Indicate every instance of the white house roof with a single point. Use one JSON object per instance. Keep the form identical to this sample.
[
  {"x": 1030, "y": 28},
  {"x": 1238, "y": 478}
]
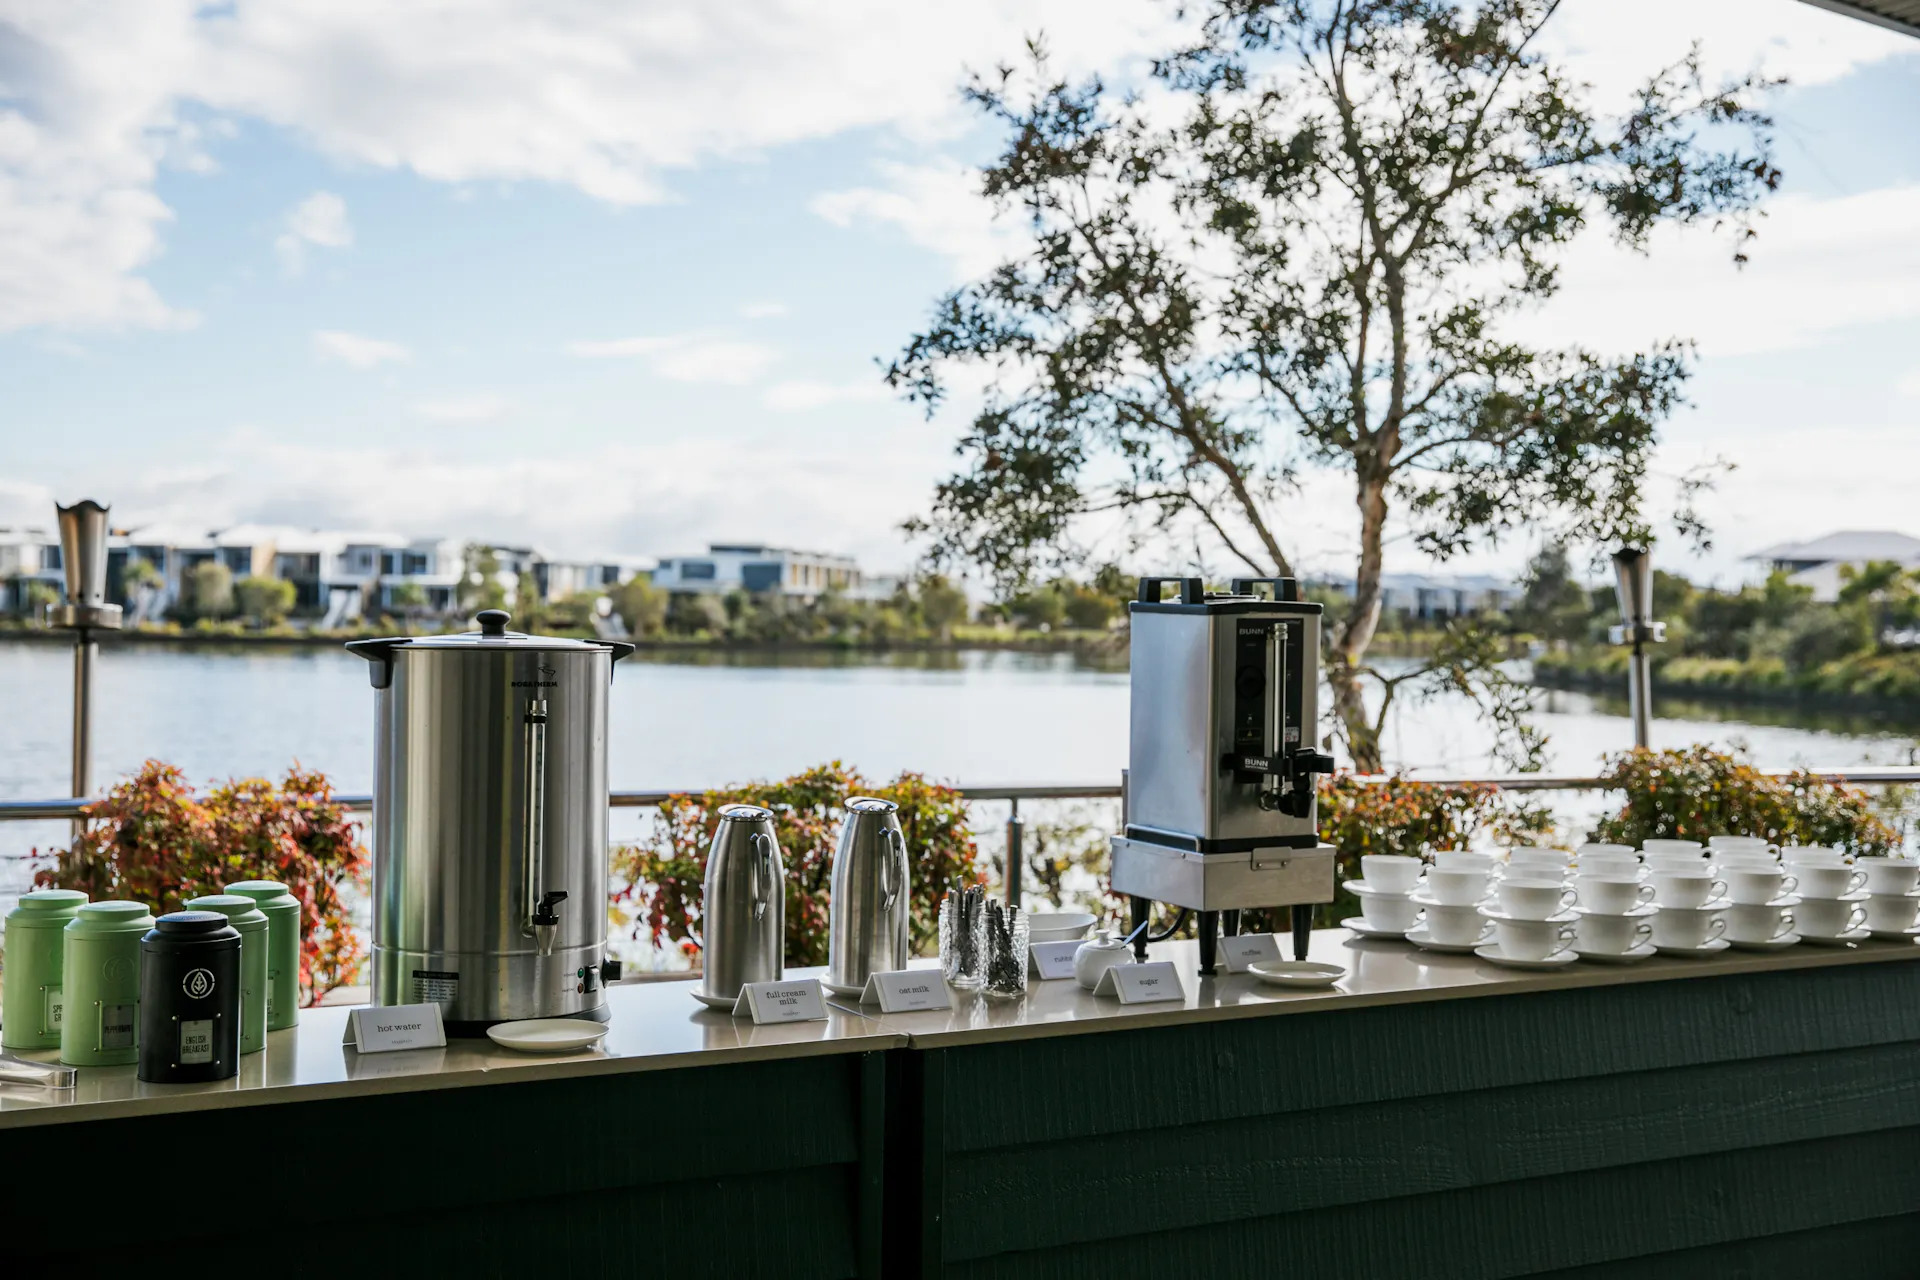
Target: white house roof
[
  {"x": 1852, "y": 546},
  {"x": 1894, "y": 15}
]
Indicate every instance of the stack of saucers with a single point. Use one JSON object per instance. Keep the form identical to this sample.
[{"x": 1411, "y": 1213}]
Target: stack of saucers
[
  {"x": 1833, "y": 898},
  {"x": 1531, "y": 914},
  {"x": 1387, "y": 908},
  {"x": 1893, "y": 896},
  {"x": 1614, "y": 902},
  {"x": 1691, "y": 904},
  {"x": 1760, "y": 892}
]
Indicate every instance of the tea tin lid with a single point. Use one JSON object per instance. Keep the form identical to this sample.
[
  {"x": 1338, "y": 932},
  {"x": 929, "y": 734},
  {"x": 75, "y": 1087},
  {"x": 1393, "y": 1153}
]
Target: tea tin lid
[
  {"x": 242, "y": 911},
  {"x": 113, "y": 916},
  {"x": 268, "y": 894},
  {"x": 192, "y": 926},
  {"x": 46, "y": 908}
]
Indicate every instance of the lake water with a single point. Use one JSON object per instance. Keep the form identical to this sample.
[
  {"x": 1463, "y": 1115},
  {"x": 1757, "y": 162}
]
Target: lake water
[{"x": 694, "y": 721}]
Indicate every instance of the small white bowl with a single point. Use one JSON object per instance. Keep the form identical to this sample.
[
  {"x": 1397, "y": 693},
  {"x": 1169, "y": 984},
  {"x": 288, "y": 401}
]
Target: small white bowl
[{"x": 1058, "y": 926}]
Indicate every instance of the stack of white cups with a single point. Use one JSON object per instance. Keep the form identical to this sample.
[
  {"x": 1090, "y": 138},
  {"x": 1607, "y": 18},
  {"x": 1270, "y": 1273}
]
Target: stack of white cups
[
  {"x": 1893, "y": 895},
  {"x": 1833, "y": 894},
  {"x": 1614, "y": 902},
  {"x": 1385, "y": 891},
  {"x": 1450, "y": 898},
  {"x": 1531, "y": 911},
  {"x": 1762, "y": 902},
  {"x": 1690, "y": 901}
]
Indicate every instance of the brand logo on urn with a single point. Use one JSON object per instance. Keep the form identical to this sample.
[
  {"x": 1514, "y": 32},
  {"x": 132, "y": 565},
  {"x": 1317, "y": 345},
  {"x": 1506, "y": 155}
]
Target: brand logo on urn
[{"x": 198, "y": 983}]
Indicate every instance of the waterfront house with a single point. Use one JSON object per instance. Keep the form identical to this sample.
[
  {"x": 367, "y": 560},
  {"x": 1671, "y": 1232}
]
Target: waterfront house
[
  {"x": 1433, "y": 597},
  {"x": 1820, "y": 563},
  {"x": 29, "y": 556},
  {"x": 755, "y": 567}
]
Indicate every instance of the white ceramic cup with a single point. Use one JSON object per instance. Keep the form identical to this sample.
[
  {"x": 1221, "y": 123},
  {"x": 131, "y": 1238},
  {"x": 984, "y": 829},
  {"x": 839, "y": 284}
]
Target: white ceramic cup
[
  {"x": 1457, "y": 925},
  {"x": 1533, "y": 939},
  {"x": 1675, "y": 862},
  {"x": 1394, "y": 912},
  {"x": 1892, "y": 912},
  {"x": 1608, "y": 864},
  {"x": 1531, "y": 899},
  {"x": 1792, "y": 853},
  {"x": 1817, "y": 881},
  {"x": 1390, "y": 872},
  {"x": 1465, "y": 860},
  {"x": 1757, "y": 922},
  {"x": 1596, "y": 846},
  {"x": 1686, "y": 889},
  {"x": 1829, "y": 917},
  {"x": 1611, "y": 934},
  {"x": 1671, "y": 846},
  {"x": 1688, "y": 926},
  {"x": 1890, "y": 875},
  {"x": 1739, "y": 842},
  {"x": 1457, "y": 886},
  {"x": 1612, "y": 895},
  {"x": 1757, "y": 886}
]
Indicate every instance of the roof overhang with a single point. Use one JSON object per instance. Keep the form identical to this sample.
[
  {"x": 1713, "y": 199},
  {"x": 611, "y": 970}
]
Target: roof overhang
[{"x": 1895, "y": 15}]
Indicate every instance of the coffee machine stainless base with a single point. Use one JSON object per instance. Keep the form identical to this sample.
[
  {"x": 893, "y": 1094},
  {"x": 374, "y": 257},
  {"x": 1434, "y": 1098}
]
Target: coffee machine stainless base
[
  {"x": 476, "y": 991},
  {"x": 1219, "y": 886}
]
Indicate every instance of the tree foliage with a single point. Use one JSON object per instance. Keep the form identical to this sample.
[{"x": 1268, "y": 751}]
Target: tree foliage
[{"x": 1309, "y": 247}]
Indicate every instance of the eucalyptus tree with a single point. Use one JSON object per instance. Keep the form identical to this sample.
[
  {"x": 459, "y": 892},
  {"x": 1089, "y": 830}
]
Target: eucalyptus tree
[{"x": 1311, "y": 243}]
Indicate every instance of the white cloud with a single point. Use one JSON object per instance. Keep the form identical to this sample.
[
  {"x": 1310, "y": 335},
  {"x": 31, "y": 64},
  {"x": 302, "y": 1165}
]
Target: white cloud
[
  {"x": 800, "y": 395},
  {"x": 763, "y": 310},
  {"x": 333, "y": 346},
  {"x": 320, "y": 219},
  {"x": 1909, "y": 384},
  {"x": 937, "y": 205},
  {"x": 688, "y": 357},
  {"x": 484, "y": 406}
]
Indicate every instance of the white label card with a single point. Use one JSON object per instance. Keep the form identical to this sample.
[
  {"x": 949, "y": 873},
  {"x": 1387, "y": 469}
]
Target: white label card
[
  {"x": 1141, "y": 983},
  {"x": 1248, "y": 948},
  {"x": 384, "y": 1028},
  {"x": 1054, "y": 959},
  {"x": 798, "y": 1000},
  {"x": 904, "y": 990}
]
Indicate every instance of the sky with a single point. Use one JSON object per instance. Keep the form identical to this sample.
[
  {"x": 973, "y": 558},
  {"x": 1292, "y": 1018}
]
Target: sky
[{"x": 613, "y": 278}]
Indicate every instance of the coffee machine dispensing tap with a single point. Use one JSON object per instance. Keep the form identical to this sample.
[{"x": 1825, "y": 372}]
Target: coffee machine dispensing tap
[
  {"x": 1222, "y": 762},
  {"x": 546, "y": 922}
]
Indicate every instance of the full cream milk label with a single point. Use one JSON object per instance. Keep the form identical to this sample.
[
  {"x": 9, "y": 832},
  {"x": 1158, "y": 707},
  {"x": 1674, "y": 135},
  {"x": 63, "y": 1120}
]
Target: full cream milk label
[{"x": 789, "y": 1001}]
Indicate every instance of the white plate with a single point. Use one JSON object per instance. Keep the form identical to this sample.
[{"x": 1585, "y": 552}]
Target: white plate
[
  {"x": 1358, "y": 926},
  {"x": 1422, "y": 939},
  {"x": 1846, "y": 939},
  {"x": 1565, "y": 916},
  {"x": 714, "y": 1002},
  {"x": 1428, "y": 900},
  {"x": 840, "y": 990},
  {"x": 1894, "y": 935},
  {"x": 1296, "y": 973},
  {"x": 1634, "y": 956},
  {"x": 1361, "y": 888},
  {"x": 547, "y": 1035},
  {"x": 1645, "y": 909},
  {"x": 1704, "y": 949},
  {"x": 1780, "y": 943},
  {"x": 1494, "y": 955}
]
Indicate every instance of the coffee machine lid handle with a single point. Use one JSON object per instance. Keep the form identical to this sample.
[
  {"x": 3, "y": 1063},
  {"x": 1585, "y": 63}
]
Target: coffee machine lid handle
[
  {"x": 1283, "y": 588},
  {"x": 1192, "y": 590}
]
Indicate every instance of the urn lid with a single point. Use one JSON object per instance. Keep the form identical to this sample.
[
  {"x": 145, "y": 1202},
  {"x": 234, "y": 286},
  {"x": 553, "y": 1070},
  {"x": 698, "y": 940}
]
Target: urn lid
[{"x": 491, "y": 636}]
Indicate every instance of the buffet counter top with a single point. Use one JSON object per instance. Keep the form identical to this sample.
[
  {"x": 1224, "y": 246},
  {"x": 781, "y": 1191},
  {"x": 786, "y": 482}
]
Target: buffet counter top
[{"x": 657, "y": 1026}]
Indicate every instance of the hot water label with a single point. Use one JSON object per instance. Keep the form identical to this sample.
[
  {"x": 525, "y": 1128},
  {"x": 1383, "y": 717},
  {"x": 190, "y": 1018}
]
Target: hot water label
[
  {"x": 435, "y": 986},
  {"x": 382, "y": 1028},
  {"x": 196, "y": 1041}
]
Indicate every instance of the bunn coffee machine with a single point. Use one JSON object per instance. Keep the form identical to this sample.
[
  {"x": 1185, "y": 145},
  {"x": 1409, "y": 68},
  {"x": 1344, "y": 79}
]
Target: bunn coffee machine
[{"x": 1222, "y": 758}]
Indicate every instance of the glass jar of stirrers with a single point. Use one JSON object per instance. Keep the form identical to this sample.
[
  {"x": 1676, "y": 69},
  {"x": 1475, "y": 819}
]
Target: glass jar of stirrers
[
  {"x": 962, "y": 921},
  {"x": 1003, "y": 946}
]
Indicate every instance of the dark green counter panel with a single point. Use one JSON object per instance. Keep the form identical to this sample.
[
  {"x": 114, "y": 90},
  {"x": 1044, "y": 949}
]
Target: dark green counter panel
[
  {"x": 1535, "y": 1132},
  {"x": 750, "y": 1169}
]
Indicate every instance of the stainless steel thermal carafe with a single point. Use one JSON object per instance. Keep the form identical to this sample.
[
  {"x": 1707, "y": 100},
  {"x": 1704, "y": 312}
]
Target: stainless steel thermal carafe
[
  {"x": 867, "y": 931},
  {"x": 744, "y": 907}
]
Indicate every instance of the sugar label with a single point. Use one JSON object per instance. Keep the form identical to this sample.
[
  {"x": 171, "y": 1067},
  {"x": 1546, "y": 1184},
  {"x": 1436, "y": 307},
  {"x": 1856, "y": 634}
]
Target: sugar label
[{"x": 1141, "y": 983}]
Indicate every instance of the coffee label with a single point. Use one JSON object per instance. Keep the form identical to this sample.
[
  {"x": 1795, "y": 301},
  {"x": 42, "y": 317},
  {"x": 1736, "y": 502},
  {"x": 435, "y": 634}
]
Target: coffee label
[
  {"x": 196, "y": 1038},
  {"x": 1248, "y": 949},
  {"x": 116, "y": 1025}
]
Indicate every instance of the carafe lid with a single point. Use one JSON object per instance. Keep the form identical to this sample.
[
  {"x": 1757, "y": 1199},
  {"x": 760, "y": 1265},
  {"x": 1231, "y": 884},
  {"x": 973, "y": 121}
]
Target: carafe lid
[
  {"x": 745, "y": 813},
  {"x": 871, "y": 804}
]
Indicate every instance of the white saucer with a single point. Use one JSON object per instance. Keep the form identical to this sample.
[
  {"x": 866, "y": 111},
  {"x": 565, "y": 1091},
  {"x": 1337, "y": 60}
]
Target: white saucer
[
  {"x": 1846, "y": 939},
  {"x": 1564, "y": 916},
  {"x": 1358, "y": 926},
  {"x": 1704, "y": 949},
  {"x": 1780, "y": 943},
  {"x": 1420, "y": 938},
  {"x": 1634, "y": 956},
  {"x": 1494, "y": 955},
  {"x": 1889, "y": 935},
  {"x": 714, "y": 1002},
  {"x": 1296, "y": 973},
  {"x": 547, "y": 1035},
  {"x": 1362, "y": 889},
  {"x": 1427, "y": 900},
  {"x": 839, "y": 990},
  {"x": 1644, "y": 909}
]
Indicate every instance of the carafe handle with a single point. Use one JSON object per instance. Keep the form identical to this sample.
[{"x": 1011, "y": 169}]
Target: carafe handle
[
  {"x": 762, "y": 872},
  {"x": 892, "y": 870}
]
